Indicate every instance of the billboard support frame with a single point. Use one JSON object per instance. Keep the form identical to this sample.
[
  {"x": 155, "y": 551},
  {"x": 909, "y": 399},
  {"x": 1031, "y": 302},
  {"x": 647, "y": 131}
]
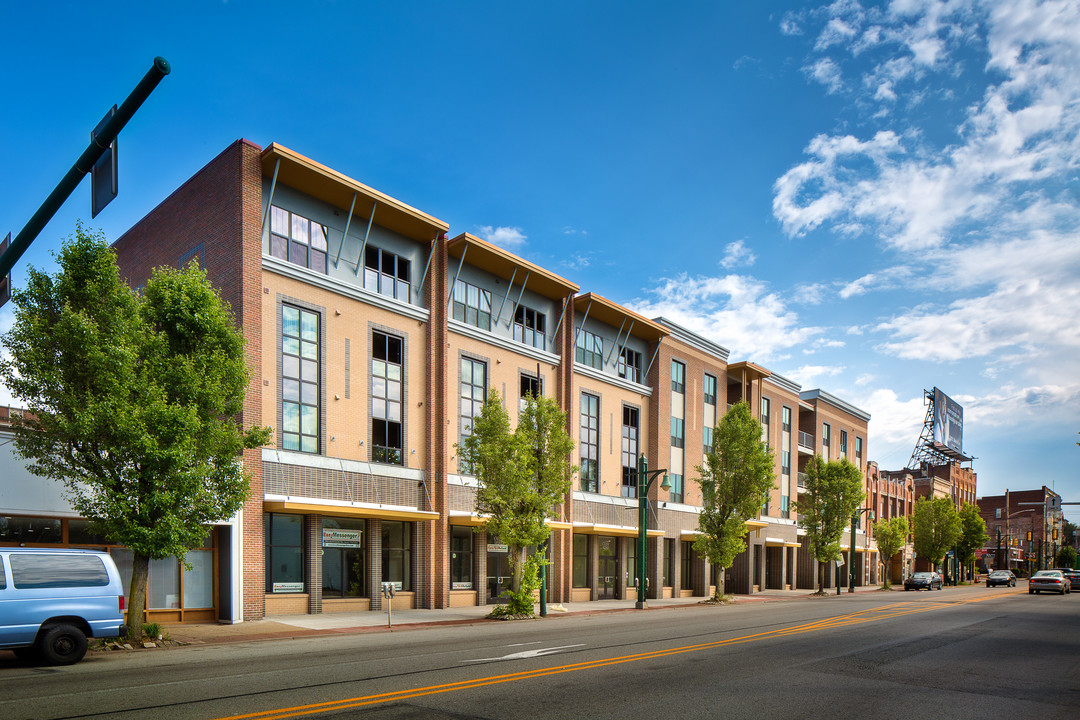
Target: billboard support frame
[{"x": 929, "y": 449}]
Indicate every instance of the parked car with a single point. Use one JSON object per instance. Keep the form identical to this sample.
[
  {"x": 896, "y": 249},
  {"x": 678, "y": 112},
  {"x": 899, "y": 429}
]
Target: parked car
[
  {"x": 1052, "y": 580},
  {"x": 921, "y": 580},
  {"x": 1001, "y": 577},
  {"x": 1072, "y": 575},
  {"x": 52, "y": 600}
]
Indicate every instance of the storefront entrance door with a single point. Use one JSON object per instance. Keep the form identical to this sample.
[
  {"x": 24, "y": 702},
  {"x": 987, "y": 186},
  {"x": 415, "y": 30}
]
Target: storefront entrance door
[
  {"x": 498, "y": 573},
  {"x": 608, "y": 569}
]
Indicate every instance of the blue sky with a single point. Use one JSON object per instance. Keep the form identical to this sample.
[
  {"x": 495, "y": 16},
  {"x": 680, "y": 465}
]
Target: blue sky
[{"x": 870, "y": 198}]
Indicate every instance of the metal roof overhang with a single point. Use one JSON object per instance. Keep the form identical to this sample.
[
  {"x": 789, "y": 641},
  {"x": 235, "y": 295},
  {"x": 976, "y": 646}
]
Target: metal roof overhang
[
  {"x": 363, "y": 510},
  {"x": 602, "y": 309},
  {"x": 482, "y": 254},
  {"x": 319, "y": 181},
  {"x": 751, "y": 370}
]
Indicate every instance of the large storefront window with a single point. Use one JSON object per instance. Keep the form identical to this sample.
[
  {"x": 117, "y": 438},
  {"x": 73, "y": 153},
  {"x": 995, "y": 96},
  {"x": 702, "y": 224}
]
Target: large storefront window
[
  {"x": 169, "y": 585},
  {"x": 284, "y": 553},
  {"x": 397, "y": 553},
  {"x": 343, "y": 545},
  {"x": 461, "y": 558},
  {"x": 581, "y": 561},
  {"x": 29, "y": 530}
]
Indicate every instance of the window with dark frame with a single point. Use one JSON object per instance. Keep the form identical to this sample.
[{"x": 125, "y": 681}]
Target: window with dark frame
[
  {"x": 461, "y": 558},
  {"x": 678, "y": 377},
  {"x": 387, "y": 429},
  {"x": 299, "y": 379},
  {"x": 843, "y": 443},
  {"x": 530, "y": 385},
  {"x": 629, "y": 452},
  {"x": 472, "y": 305},
  {"x": 589, "y": 350},
  {"x": 387, "y": 273},
  {"x": 473, "y": 392},
  {"x": 677, "y": 432},
  {"x": 397, "y": 553},
  {"x": 710, "y": 389},
  {"x": 284, "y": 543},
  {"x": 298, "y": 240},
  {"x": 629, "y": 365},
  {"x": 589, "y": 444},
  {"x": 581, "y": 561},
  {"x": 530, "y": 327},
  {"x": 676, "y": 487},
  {"x": 344, "y": 564}
]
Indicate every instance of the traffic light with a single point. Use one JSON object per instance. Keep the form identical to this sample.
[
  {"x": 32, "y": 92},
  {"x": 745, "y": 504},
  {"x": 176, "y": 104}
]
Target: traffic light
[{"x": 1029, "y": 536}]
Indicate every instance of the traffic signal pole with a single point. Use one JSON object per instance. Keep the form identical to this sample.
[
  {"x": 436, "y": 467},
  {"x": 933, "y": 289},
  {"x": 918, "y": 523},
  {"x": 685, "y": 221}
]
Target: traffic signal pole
[{"x": 90, "y": 155}]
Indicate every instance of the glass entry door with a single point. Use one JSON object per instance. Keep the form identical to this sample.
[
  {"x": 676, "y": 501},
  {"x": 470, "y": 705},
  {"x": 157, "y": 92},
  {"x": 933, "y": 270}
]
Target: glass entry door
[
  {"x": 607, "y": 582},
  {"x": 498, "y": 573}
]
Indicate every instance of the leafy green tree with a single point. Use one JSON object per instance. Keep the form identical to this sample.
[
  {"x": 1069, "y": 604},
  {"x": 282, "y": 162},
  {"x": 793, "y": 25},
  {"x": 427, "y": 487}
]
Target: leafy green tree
[
  {"x": 935, "y": 525},
  {"x": 1066, "y": 557},
  {"x": 972, "y": 534},
  {"x": 1068, "y": 533},
  {"x": 522, "y": 474},
  {"x": 133, "y": 401},
  {"x": 891, "y": 536},
  {"x": 834, "y": 491},
  {"x": 735, "y": 483}
]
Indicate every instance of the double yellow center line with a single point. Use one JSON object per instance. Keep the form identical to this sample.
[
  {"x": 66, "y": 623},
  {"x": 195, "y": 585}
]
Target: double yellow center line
[{"x": 884, "y": 612}]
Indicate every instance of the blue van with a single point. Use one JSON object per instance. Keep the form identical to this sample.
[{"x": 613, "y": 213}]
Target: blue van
[{"x": 52, "y": 600}]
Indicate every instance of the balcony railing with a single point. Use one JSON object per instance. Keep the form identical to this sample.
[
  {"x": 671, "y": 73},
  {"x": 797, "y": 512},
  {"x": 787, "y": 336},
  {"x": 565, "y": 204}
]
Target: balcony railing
[
  {"x": 806, "y": 440},
  {"x": 802, "y": 480}
]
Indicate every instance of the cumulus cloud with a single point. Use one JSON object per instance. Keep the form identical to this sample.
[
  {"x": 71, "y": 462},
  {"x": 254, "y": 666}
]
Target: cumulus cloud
[
  {"x": 736, "y": 253},
  {"x": 735, "y": 311},
  {"x": 826, "y": 72},
  {"x": 810, "y": 376},
  {"x": 508, "y": 238}
]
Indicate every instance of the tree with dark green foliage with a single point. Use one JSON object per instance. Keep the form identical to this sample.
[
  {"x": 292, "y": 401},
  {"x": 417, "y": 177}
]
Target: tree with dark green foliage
[
  {"x": 890, "y": 536},
  {"x": 132, "y": 401},
  {"x": 935, "y": 525},
  {"x": 834, "y": 491},
  {"x": 972, "y": 534},
  {"x": 1066, "y": 557},
  {"x": 735, "y": 483},
  {"x": 522, "y": 474}
]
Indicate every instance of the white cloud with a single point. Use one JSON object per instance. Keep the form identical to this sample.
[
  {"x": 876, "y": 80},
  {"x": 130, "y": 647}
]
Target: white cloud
[
  {"x": 734, "y": 311},
  {"x": 810, "y": 376},
  {"x": 826, "y": 72},
  {"x": 736, "y": 253},
  {"x": 857, "y": 287},
  {"x": 508, "y": 238},
  {"x": 809, "y": 294}
]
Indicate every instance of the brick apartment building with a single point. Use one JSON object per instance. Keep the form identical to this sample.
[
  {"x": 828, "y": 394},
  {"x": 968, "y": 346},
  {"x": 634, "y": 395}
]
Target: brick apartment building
[
  {"x": 1025, "y": 528},
  {"x": 373, "y": 339}
]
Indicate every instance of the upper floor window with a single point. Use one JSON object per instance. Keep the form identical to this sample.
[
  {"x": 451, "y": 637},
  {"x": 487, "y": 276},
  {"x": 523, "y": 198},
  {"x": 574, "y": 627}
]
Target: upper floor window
[
  {"x": 589, "y": 436},
  {"x": 473, "y": 393},
  {"x": 386, "y": 273},
  {"x": 708, "y": 435},
  {"x": 678, "y": 377},
  {"x": 843, "y": 443},
  {"x": 629, "y": 365},
  {"x": 858, "y": 451},
  {"x": 530, "y": 385},
  {"x": 590, "y": 349},
  {"x": 677, "y": 432},
  {"x": 766, "y": 411},
  {"x": 785, "y": 419},
  {"x": 677, "y": 492},
  {"x": 629, "y": 452},
  {"x": 387, "y": 441},
  {"x": 298, "y": 240},
  {"x": 529, "y": 327},
  {"x": 299, "y": 379},
  {"x": 472, "y": 305},
  {"x": 710, "y": 389},
  {"x": 826, "y": 440}
]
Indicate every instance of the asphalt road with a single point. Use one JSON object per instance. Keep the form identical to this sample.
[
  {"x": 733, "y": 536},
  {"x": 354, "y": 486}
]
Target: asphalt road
[{"x": 959, "y": 653}]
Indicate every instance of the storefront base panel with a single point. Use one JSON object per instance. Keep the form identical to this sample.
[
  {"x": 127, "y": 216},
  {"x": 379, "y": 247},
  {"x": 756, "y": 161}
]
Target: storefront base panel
[
  {"x": 580, "y": 595},
  {"x": 668, "y": 592},
  {"x": 404, "y": 600},
  {"x": 345, "y": 605},
  {"x": 291, "y": 604},
  {"x": 686, "y": 593},
  {"x": 463, "y": 598}
]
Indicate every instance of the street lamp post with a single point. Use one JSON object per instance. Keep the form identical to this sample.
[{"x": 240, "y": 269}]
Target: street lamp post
[
  {"x": 851, "y": 551},
  {"x": 645, "y": 481}
]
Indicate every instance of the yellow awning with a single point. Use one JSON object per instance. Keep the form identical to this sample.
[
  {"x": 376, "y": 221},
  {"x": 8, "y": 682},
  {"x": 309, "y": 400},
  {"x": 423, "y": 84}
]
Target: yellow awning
[
  {"x": 619, "y": 530},
  {"x": 364, "y": 510}
]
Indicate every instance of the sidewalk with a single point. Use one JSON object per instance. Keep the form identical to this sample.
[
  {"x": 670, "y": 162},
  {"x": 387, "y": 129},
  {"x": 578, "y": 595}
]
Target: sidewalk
[{"x": 296, "y": 626}]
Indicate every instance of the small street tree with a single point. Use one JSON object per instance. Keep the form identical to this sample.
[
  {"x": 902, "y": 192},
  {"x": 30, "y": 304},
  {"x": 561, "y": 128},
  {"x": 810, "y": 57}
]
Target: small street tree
[
  {"x": 735, "y": 483},
  {"x": 935, "y": 525},
  {"x": 1066, "y": 557},
  {"x": 133, "y": 402},
  {"x": 972, "y": 534},
  {"x": 522, "y": 474},
  {"x": 834, "y": 491},
  {"x": 891, "y": 536}
]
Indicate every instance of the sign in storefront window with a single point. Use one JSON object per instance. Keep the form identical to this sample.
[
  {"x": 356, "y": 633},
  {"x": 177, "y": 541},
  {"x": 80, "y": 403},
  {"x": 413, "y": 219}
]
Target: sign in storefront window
[
  {"x": 461, "y": 558},
  {"x": 343, "y": 557},
  {"x": 284, "y": 553}
]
